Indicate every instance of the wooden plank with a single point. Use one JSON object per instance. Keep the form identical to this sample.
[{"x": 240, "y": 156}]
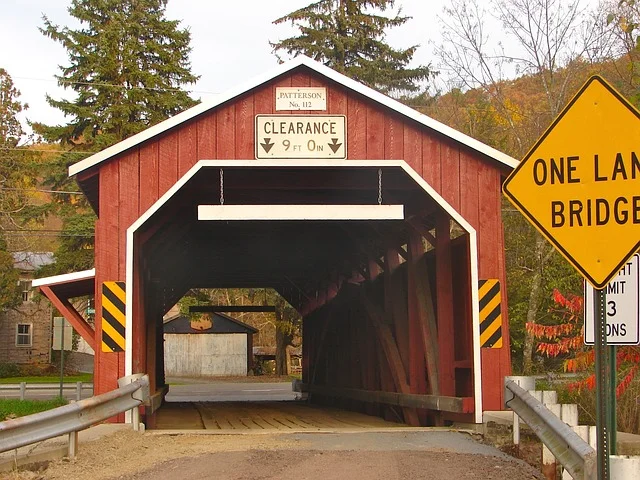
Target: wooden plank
[
  {"x": 128, "y": 204},
  {"x": 462, "y": 311},
  {"x": 469, "y": 204},
  {"x": 225, "y": 133},
  {"x": 413, "y": 147},
  {"x": 245, "y": 137},
  {"x": 431, "y": 166},
  {"x": 441, "y": 403},
  {"x": 444, "y": 302},
  {"x": 167, "y": 162},
  {"x": 425, "y": 311},
  {"x": 393, "y": 138},
  {"x": 391, "y": 353},
  {"x": 338, "y": 103},
  {"x": 421, "y": 349},
  {"x": 206, "y": 127},
  {"x": 396, "y": 302},
  {"x": 187, "y": 147},
  {"x": 450, "y": 174},
  {"x": 264, "y": 100},
  {"x": 139, "y": 317},
  {"x": 356, "y": 129},
  {"x": 149, "y": 174},
  {"x": 375, "y": 133}
]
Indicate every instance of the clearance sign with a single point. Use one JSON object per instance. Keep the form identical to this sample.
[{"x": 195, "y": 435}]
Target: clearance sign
[{"x": 580, "y": 183}]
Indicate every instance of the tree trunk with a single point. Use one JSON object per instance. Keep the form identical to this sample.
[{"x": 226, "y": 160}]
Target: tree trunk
[
  {"x": 534, "y": 303},
  {"x": 283, "y": 340}
]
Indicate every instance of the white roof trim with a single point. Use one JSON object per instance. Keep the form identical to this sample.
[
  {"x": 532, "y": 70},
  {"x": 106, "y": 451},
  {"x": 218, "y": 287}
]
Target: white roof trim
[
  {"x": 65, "y": 278},
  {"x": 281, "y": 69}
]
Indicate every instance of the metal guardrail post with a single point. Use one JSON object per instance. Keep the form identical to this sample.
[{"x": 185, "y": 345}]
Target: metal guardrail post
[
  {"x": 577, "y": 457},
  {"x": 78, "y": 391},
  {"x": 528, "y": 383},
  {"x": 23, "y": 390},
  {"x": 73, "y": 444},
  {"x": 135, "y": 412}
]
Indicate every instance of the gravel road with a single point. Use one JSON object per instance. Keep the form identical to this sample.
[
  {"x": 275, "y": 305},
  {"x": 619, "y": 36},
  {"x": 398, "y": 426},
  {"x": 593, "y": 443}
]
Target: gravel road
[{"x": 436, "y": 455}]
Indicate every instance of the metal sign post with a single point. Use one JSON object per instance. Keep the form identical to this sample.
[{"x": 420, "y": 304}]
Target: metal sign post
[
  {"x": 603, "y": 382},
  {"x": 62, "y": 341},
  {"x": 61, "y": 357}
]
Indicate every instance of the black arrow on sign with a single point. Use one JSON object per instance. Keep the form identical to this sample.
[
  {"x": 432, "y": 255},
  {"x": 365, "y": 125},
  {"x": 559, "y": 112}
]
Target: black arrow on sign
[
  {"x": 335, "y": 145},
  {"x": 267, "y": 145}
]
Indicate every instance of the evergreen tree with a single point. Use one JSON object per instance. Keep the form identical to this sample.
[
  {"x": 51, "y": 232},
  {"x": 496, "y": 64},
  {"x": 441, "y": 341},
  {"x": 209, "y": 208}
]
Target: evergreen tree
[
  {"x": 10, "y": 107},
  {"x": 127, "y": 64},
  {"x": 348, "y": 36}
]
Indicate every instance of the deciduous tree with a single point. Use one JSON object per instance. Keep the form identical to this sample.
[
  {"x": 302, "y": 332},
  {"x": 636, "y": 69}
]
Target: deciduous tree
[{"x": 551, "y": 43}]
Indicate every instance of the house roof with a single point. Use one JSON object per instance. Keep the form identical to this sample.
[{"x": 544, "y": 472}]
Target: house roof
[
  {"x": 30, "y": 261},
  {"x": 301, "y": 60},
  {"x": 69, "y": 285}
]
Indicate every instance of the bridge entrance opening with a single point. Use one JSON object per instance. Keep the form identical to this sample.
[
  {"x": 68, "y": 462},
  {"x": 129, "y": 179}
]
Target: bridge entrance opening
[{"x": 378, "y": 266}]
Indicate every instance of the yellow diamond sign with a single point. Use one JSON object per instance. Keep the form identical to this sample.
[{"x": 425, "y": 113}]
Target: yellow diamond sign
[{"x": 580, "y": 183}]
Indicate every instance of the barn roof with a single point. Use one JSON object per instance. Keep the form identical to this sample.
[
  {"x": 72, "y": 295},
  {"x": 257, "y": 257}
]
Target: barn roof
[
  {"x": 221, "y": 324},
  {"x": 301, "y": 60}
]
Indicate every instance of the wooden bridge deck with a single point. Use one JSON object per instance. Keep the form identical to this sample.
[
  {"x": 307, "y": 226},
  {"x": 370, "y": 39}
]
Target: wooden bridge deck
[{"x": 256, "y": 416}]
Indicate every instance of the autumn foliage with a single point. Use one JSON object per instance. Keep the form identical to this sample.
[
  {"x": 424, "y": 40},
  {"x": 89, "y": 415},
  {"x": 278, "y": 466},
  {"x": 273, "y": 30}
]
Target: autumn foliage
[{"x": 566, "y": 339}]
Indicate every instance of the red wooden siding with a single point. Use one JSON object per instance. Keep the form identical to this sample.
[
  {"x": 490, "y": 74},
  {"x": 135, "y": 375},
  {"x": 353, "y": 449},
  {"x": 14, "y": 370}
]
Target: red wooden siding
[{"x": 132, "y": 182}]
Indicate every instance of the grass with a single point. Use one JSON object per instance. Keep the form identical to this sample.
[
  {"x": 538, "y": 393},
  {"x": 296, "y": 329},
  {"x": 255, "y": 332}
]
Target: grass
[
  {"x": 19, "y": 408},
  {"x": 83, "y": 377}
]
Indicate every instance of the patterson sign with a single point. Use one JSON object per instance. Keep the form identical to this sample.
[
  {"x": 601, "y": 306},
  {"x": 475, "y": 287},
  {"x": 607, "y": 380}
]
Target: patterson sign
[{"x": 580, "y": 183}]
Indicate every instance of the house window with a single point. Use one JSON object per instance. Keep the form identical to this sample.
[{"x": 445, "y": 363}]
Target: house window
[
  {"x": 25, "y": 288},
  {"x": 23, "y": 335}
]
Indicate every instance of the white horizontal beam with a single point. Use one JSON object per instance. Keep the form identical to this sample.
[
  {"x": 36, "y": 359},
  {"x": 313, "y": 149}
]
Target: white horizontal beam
[
  {"x": 64, "y": 278},
  {"x": 301, "y": 212}
]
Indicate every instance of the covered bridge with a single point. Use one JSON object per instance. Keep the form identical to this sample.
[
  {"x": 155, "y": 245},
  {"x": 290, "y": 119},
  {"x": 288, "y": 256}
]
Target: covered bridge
[{"x": 381, "y": 226}]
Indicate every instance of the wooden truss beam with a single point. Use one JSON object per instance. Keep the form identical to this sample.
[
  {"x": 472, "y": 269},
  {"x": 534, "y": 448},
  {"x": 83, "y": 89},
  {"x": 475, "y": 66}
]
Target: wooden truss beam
[{"x": 406, "y": 400}]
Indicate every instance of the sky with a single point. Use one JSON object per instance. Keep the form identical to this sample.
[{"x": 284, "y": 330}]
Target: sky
[{"x": 229, "y": 39}]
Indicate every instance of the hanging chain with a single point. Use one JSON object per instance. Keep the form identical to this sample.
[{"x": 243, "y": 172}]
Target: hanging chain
[
  {"x": 379, "y": 186},
  {"x": 221, "y": 187}
]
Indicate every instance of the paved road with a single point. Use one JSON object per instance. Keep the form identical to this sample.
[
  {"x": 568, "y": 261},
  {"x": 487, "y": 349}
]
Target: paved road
[
  {"x": 44, "y": 391},
  {"x": 231, "y": 392}
]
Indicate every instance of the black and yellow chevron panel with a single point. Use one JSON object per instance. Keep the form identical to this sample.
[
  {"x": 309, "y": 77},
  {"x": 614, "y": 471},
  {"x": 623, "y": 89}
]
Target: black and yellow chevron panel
[
  {"x": 113, "y": 316},
  {"x": 490, "y": 314}
]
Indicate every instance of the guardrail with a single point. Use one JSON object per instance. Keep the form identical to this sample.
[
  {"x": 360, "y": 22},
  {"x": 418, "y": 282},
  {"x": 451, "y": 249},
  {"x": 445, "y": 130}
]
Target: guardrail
[
  {"x": 430, "y": 402},
  {"x": 24, "y": 387},
  {"x": 575, "y": 455},
  {"x": 74, "y": 417}
]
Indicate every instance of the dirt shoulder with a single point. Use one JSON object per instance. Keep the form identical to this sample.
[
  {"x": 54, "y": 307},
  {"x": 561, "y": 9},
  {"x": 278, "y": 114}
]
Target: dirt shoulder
[{"x": 385, "y": 456}]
